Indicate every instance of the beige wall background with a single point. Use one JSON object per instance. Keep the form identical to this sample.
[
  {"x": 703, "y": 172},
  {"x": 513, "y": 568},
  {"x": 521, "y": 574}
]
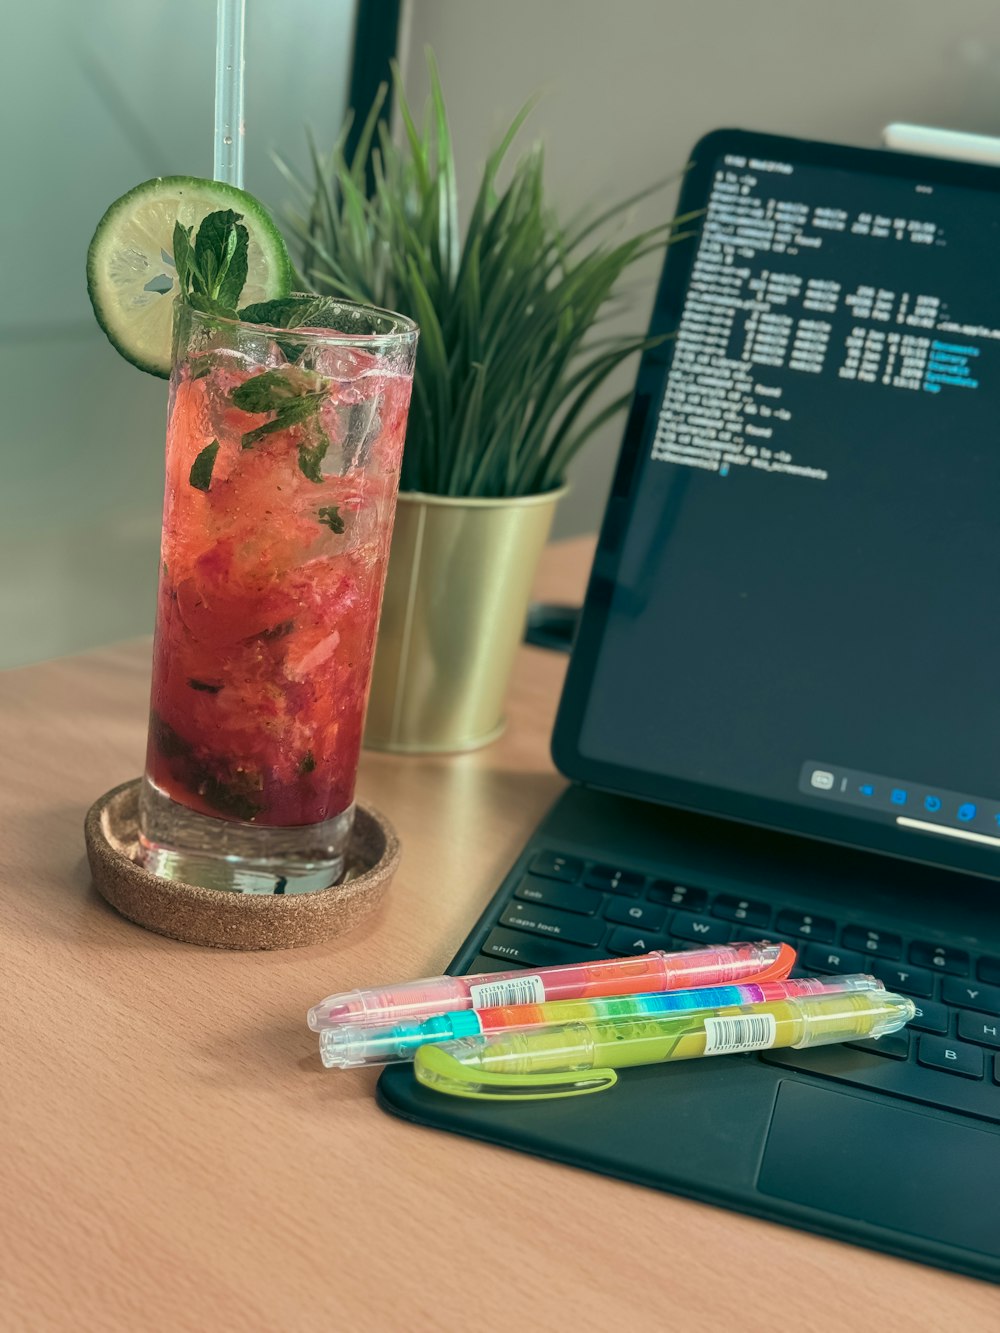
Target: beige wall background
[
  {"x": 627, "y": 88},
  {"x": 95, "y": 97}
]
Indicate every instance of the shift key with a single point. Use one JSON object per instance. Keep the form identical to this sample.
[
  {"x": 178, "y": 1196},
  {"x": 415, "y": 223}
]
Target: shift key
[
  {"x": 524, "y": 950},
  {"x": 557, "y": 925}
]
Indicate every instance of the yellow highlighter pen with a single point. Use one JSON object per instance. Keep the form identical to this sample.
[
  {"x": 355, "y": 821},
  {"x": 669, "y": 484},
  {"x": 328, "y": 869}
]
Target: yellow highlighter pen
[{"x": 570, "y": 1059}]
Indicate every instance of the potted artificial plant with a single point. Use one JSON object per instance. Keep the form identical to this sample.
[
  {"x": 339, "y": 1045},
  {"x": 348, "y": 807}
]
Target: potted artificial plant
[{"x": 507, "y": 371}]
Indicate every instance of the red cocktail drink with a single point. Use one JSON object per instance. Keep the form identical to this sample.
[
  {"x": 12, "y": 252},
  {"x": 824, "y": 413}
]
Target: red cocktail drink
[{"x": 283, "y": 455}]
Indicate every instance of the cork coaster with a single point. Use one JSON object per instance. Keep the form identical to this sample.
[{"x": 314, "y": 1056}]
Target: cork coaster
[{"x": 233, "y": 920}]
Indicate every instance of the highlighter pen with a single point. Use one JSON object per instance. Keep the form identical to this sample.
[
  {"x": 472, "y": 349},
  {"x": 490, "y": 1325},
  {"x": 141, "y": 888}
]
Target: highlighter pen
[
  {"x": 654, "y": 971},
  {"x": 347, "y": 1046},
  {"x": 575, "y": 1058}
]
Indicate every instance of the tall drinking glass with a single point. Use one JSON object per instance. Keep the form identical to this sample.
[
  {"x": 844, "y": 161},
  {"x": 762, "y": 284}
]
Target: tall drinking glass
[{"x": 283, "y": 456}]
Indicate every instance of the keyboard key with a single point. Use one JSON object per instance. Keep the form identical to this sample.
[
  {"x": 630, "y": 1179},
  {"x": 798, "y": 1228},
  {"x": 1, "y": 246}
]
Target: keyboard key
[
  {"x": 678, "y": 895},
  {"x": 819, "y": 959},
  {"x": 952, "y": 1057},
  {"x": 647, "y": 916},
  {"x": 980, "y": 1028},
  {"x": 902, "y": 977},
  {"x": 553, "y": 865},
  {"x": 554, "y": 893},
  {"x": 931, "y": 1017},
  {"x": 970, "y": 995},
  {"x": 989, "y": 971},
  {"x": 623, "y": 940},
  {"x": 894, "y": 1045},
  {"x": 481, "y": 963},
  {"x": 746, "y": 911},
  {"x": 940, "y": 958},
  {"x": 700, "y": 929},
  {"x": 996, "y": 1069},
  {"x": 881, "y": 943},
  {"x": 677, "y": 945},
  {"x": 560, "y": 925},
  {"x": 818, "y": 928},
  {"x": 898, "y": 1078},
  {"x": 610, "y": 880},
  {"x": 531, "y": 950}
]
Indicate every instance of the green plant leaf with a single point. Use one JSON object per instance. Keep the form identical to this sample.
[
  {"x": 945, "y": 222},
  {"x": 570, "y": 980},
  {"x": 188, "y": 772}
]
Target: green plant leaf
[
  {"x": 183, "y": 256},
  {"x": 294, "y": 312},
  {"x": 198, "y": 301},
  {"x": 330, "y": 515},
  {"x": 512, "y": 376},
  {"x": 311, "y": 458},
  {"x": 274, "y": 388},
  {"x": 418, "y": 154},
  {"x": 447, "y": 191},
  {"x": 552, "y": 474},
  {"x": 233, "y": 278},
  {"x": 252, "y": 437},
  {"x": 290, "y": 412},
  {"x": 204, "y": 686},
  {"x": 433, "y": 345},
  {"x": 214, "y": 247},
  {"x": 200, "y": 476}
]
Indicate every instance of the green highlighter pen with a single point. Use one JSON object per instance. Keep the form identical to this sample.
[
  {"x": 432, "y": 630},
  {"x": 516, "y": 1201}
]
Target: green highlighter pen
[{"x": 570, "y": 1059}]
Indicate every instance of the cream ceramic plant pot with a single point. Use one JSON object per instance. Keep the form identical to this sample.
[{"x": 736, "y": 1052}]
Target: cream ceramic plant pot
[{"x": 456, "y": 597}]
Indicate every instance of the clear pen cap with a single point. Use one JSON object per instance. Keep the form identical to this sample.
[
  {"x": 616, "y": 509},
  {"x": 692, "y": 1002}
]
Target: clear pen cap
[
  {"x": 427, "y": 996},
  {"x": 345, "y": 1047},
  {"x": 861, "y": 1014},
  {"x": 350, "y": 1045}
]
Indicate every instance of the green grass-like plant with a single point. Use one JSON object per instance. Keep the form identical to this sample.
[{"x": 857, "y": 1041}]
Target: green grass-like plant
[{"x": 510, "y": 362}]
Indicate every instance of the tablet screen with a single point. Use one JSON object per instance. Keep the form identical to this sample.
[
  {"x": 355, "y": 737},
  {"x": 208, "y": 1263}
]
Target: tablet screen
[{"x": 793, "y": 617}]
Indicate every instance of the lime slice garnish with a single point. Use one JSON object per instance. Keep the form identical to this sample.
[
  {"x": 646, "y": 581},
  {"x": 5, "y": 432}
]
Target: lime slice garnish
[{"x": 131, "y": 278}]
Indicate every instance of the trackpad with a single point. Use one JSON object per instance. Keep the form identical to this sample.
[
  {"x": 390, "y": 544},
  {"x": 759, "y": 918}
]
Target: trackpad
[{"x": 887, "y": 1165}]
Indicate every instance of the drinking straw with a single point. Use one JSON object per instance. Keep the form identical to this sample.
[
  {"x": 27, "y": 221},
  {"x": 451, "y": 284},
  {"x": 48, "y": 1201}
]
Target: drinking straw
[{"x": 228, "y": 144}]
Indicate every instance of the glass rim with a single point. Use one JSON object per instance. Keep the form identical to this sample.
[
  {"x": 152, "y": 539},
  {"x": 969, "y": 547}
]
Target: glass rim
[{"x": 406, "y": 331}]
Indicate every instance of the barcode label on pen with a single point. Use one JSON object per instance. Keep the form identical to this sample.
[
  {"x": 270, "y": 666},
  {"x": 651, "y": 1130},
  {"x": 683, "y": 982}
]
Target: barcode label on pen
[
  {"x": 529, "y": 989},
  {"x": 746, "y": 1032}
]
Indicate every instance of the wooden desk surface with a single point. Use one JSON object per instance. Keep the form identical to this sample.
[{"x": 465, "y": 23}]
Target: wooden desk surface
[{"x": 174, "y": 1157}]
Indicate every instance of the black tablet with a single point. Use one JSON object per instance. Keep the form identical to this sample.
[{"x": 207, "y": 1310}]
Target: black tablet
[{"x": 792, "y": 616}]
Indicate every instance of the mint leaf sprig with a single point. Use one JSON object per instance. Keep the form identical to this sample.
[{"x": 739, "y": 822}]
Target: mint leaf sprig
[
  {"x": 311, "y": 455},
  {"x": 200, "y": 476},
  {"x": 330, "y": 515},
  {"x": 296, "y": 312},
  {"x": 295, "y": 397},
  {"x": 212, "y": 269},
  {"x": 273, "y": 389},
  {"x": 212, "y": 272}
]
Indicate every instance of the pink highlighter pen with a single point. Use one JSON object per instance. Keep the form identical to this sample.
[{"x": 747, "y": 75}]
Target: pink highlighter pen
[{"x": 655, "y": 971}]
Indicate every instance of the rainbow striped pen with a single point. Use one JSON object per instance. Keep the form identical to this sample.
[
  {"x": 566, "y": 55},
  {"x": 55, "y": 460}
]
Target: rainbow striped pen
[
  {"x": 655, "y": 971},
  {"x": 348, "y": 1046},
  {"x": 569, "y": 1059}
]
